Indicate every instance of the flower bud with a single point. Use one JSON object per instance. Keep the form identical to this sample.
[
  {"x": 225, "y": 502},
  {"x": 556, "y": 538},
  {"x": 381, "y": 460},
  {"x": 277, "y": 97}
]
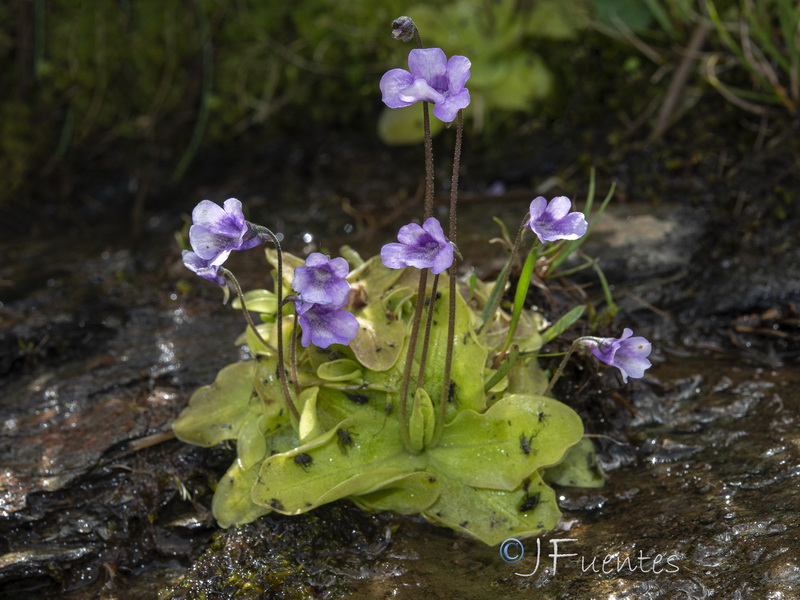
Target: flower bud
[{"x": 403, "y": 29}]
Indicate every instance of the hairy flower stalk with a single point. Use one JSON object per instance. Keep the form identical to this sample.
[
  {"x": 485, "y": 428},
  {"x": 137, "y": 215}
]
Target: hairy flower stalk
[
  {"x": 246, "y": 313},
  {"x": 263, "y": 232},
  {"x": 423, "y": 359},
  {"x": 423, "y": 247},
  {"x": 451, "y": 314},
  {"x": 431, "y": 78}
]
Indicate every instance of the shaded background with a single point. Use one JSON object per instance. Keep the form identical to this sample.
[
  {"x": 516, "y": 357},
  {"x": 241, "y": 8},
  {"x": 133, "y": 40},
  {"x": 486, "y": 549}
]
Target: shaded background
[{"x": 118, "y": 117}]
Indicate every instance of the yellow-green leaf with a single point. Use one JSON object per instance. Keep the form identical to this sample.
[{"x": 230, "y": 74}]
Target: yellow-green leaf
[
  {"x": 495, "y": 515},
  {"x": 216, "y": 412},
  {"x": 501, "y": 447},
  {"x": 232, "y": 504},
  {"x": 579, "y": 468}
]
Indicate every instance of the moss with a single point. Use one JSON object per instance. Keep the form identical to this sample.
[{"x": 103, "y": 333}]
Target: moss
[{"x": 307, "y": 556}]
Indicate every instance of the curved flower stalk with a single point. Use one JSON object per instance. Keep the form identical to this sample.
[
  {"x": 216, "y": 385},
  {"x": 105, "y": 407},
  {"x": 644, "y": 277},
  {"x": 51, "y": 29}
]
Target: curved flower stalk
[
  {"x": 423, "y": 247},
  {"x": 431, "y": 78},
  {"x": 552, "y": 221},
  {"x": 215, "y": 233}
]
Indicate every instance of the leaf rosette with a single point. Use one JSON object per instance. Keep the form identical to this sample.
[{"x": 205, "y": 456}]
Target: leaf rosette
[{"x": 486, "y": 473}]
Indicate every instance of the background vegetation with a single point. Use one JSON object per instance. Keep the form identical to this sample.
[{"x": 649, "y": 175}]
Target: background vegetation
[{"x": 147, "y": 84}]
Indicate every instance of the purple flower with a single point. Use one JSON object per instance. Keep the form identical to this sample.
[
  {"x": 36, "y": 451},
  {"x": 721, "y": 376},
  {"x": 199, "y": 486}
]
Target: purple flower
[
  {"x": 321, "y": 280},
  {"x": 628, "y": 354},
  {"x": 216, "y": 231},
  {"x": 325, "y": 324},
  {"x": 553, "y": 221},
  {"x": 432, "y": 78},
  {"x": 422, "y": 247},
  {"x": 205, "y": 268}
]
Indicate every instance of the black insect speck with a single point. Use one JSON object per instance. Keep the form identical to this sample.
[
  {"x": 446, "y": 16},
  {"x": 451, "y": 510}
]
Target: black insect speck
[
  {"x": 358, "y": 398},
  {"x": 345, "y": 439},
  {"x": 542, "y": 416},
  {"x": 525, "y": 443},
  {"x": 304, "y": 460},
  {"x": 530, "y": 502}
]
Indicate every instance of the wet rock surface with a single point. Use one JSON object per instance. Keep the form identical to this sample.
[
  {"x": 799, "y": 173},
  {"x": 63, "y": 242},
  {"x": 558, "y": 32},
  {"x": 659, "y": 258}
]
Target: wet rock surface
[{"x": 101, "y": 347}]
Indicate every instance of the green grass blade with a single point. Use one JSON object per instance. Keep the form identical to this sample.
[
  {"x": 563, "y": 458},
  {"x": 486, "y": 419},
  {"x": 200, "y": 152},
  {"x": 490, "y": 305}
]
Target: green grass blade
[{"x": 563, "y": 323}]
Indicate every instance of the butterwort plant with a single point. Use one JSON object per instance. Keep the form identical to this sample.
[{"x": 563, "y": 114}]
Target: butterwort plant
[{"x": 398, "y": 385}]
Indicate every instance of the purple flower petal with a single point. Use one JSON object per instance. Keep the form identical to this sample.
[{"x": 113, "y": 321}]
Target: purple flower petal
[
  {"x": 205, "y": 269},
  {"x": 429, "y": 64},
  {"x": 216, "y": 230},
  {"x": 559, "y": 207},
  {"x": 458, "y": 72},
  {"x": 423, "y": 247},
  {"x": 431, "y": 78},
  {"x": 392, "y": 85},
  {"x": 553, "y": 221},
  {"x": 421, "y": 90},
  {"x": 447, "y": 110},
  {"x": 323, "y": 325},
  {"x": 321, "y": 280},
  {"x": 628, "y": 354},
  {"x": 538, "y": 206},
  {"x": 442, "y": 259}
]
